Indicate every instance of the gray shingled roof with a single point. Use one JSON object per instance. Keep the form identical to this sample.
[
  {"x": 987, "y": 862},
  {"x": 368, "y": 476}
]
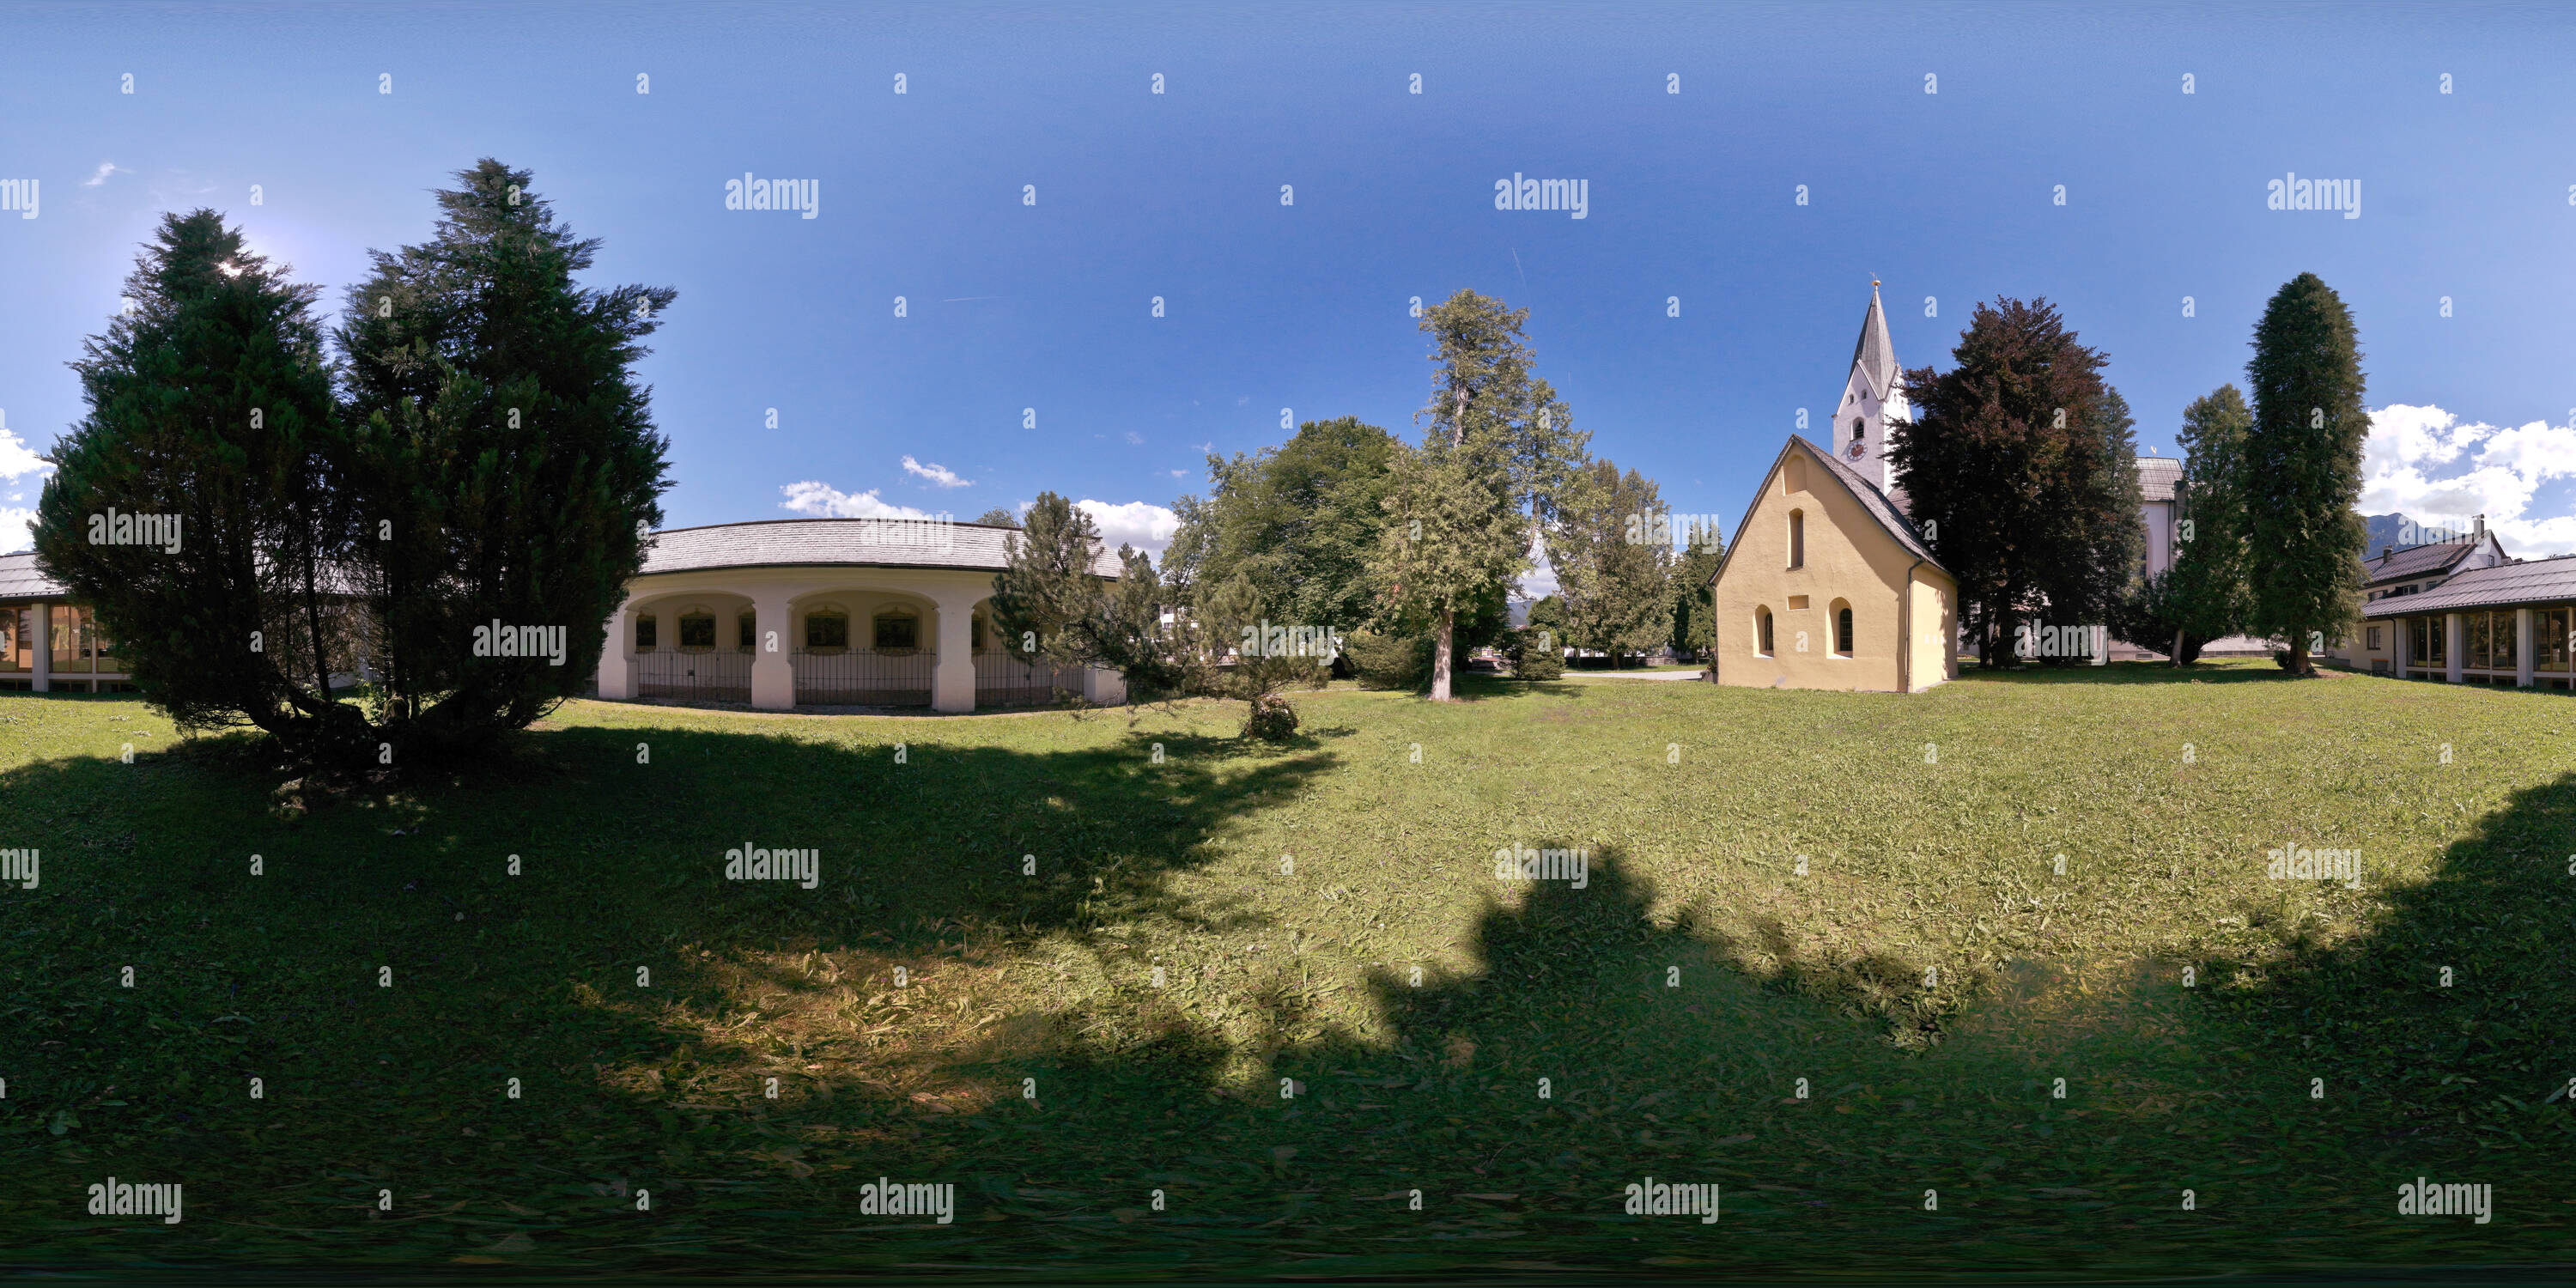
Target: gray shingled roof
[
  {"x": 1874, "y": 353},
  {"x": 1877, "y": 503},
  {"x": 2416, "y": 561},
  {"x": 2157, "y": 477},
  {"x": 838, "y": 542},
  {"x": 761, "y": 543},
  {"x": 19, "y": 578},
  {"x": 2538, "y": 581}
]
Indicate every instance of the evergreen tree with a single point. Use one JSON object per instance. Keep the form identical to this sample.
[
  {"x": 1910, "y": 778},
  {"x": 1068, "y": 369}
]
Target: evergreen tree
[
  {"x": 2207, "y": 592},
  {"x": 997, "y": 517},
  {"x": 2010, "y": 463},
  {"x": 1052, "y": 605},
  {"x": 1497, "y": 450},
  {"x": 2096, "y": 551},
  {"x": 2303, "y": 468},
  {"x": 211, "y": 403},
  {"x": 1694, "y": 627},
  {"x": 1613, "y": 568},
  {"x": 506, "y": 466}
]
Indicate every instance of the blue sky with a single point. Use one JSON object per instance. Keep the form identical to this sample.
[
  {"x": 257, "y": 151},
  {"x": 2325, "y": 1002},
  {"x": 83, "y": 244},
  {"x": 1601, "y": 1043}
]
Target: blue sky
[{"x": 2469, "y": 195}]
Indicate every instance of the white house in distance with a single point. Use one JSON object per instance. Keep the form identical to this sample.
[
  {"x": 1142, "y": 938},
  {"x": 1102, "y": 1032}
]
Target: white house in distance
[{"x": 786, "y": 613}]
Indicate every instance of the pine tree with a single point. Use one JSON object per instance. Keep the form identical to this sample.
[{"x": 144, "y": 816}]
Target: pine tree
[
  {"x": 211, "y": 402},
  {"x": 2011, "y": 461},
  {"x": 507, "y": 466},
  {"x": 1051, "y": 604},
  {"x": 1694, "y": 626},
  {"x": 1465, "y": 507},
  {"x": 2206, "y": 586},
  {"x": 2098, "y": 548},
  {"x": 2303, "y": 468}
]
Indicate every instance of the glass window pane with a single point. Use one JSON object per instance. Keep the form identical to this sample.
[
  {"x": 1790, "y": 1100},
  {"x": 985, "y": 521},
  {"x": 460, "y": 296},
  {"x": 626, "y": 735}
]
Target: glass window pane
[{"x": 70, "y": 634}]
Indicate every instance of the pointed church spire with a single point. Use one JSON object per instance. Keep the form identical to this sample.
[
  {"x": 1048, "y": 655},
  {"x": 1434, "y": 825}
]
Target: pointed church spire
[{"x": 1874, "y": 356}]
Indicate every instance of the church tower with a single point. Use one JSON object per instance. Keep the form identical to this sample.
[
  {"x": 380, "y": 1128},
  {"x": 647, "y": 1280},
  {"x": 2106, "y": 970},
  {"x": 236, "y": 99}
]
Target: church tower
[{"x": 1872, "y": 396}]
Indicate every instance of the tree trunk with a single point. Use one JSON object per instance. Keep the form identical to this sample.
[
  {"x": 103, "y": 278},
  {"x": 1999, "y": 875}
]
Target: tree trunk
[
  {"x": 1440, "y": 655},
  {"x": 2300, "y": 664},
  {"x": 2178, "y": 658}
]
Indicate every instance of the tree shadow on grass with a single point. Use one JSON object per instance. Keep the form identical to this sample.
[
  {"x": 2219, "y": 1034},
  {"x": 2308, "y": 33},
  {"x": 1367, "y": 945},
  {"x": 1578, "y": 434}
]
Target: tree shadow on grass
[
  {"x": 2454, "y": 1012},
  {"x": 529, "y": 982},
  {"x": 1668, "y": 1049}
]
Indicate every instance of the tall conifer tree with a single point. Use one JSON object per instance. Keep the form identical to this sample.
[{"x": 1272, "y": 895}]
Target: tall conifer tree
[
  {"x": 1498, "y": 447},
  {"x": 2303, "y": 468},
  {"x": 211, "y": 403}
]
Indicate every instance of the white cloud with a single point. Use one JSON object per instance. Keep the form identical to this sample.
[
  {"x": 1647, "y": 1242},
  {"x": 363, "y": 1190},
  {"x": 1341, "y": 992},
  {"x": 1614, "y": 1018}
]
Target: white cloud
[
  {"x": 1180, "y": 474},
  {"x": 1539, "y": 582},
  {"x": 2413, "y": 464},
  {"x": 105, "y": 168},
  {"x": 823, "y": 501},
  {"x": 939, "y": 475},
  {"x": 16, "y": 458},
  {"x": 1135, "y": 438},
  {"x": 1146, "y": 526},
  {"x": 17, "y": 524}
]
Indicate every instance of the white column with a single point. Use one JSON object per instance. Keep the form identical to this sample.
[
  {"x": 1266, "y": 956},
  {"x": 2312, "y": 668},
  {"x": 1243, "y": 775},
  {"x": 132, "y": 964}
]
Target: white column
[
  {"x": 44, "y": 615},
  {"x": 616, "y": 673},
  {"x": 773, "y": 677},
  {"x": 952, "y": 681},
  {"x": 2522, "y": 656},
  {"x": 1103, "y": 687},
  {"x": 2453, "y": 637}
]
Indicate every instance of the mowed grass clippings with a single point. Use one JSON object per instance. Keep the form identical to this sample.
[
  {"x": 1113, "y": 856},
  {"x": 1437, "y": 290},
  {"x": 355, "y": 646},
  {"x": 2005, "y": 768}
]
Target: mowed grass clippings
[{"x": 1825, "y": 954}]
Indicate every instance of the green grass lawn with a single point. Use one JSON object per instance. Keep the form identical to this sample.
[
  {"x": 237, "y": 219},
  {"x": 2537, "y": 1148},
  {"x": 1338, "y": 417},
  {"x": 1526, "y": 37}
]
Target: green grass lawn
[{"x": 1211, "y": 921}]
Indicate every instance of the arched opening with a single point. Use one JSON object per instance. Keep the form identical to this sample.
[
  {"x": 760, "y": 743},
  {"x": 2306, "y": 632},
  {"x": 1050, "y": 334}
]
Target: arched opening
[
  {"x": 1842, "y": 629},
  {"x": 1797, "y": 538},
  {"x": 895, "y": 630},
  {"x": 1762, "y": 631},
  {"x": 827, "y": 630},
  {"x": 697, "y": 631},
  {"x": 746, "y": 629}
]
